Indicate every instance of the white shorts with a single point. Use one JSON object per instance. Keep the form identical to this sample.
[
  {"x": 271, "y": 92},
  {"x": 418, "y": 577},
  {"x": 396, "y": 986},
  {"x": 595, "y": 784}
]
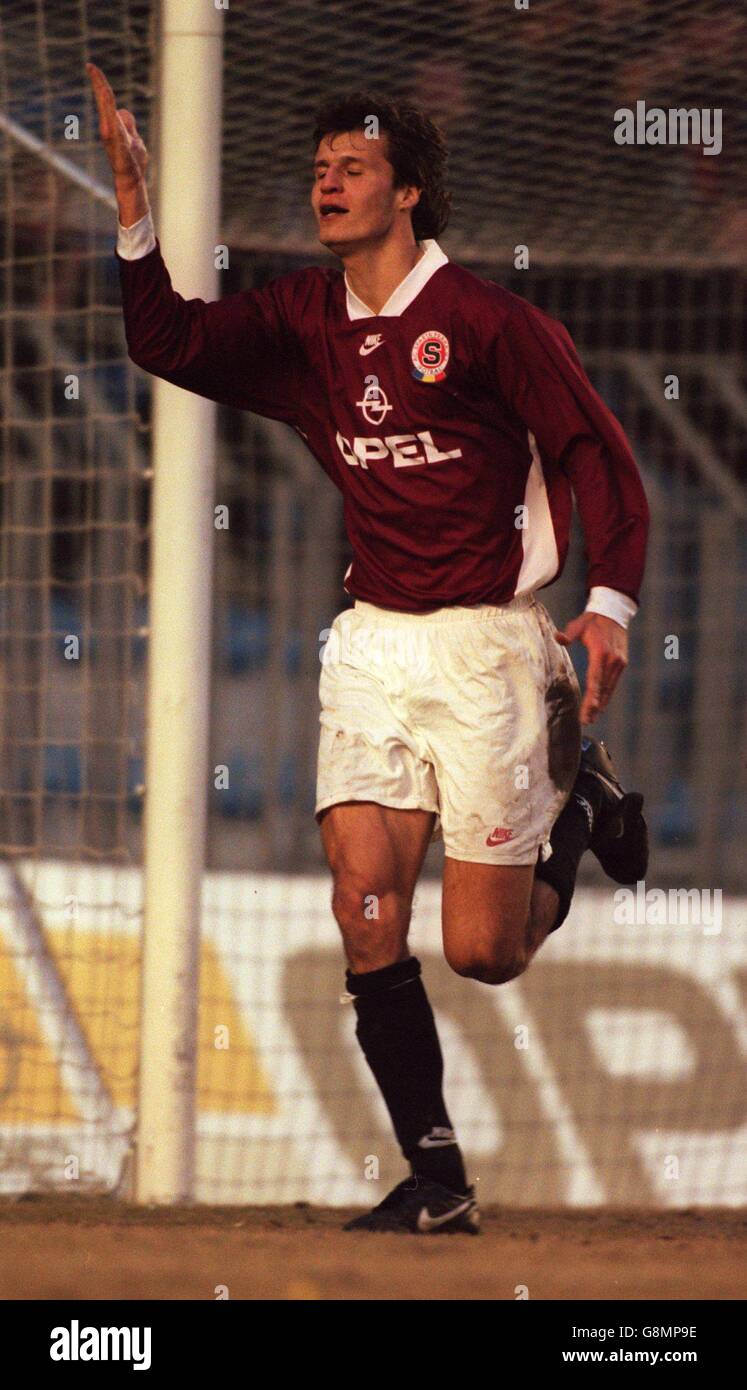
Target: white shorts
[{"x": 472, "y": 713}]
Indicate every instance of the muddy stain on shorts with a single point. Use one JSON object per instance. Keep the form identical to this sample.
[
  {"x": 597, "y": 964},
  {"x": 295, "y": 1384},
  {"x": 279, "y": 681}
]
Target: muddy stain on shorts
[{"x": 563, "y": 732}]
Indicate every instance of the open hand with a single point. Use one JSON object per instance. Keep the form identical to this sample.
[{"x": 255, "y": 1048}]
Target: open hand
[
  {"x": 118, "y": 129},
  {"x": 607, "y": 644}
]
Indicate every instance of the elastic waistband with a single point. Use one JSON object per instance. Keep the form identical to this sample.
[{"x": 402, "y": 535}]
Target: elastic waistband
[{"x": 478, "y": 612}]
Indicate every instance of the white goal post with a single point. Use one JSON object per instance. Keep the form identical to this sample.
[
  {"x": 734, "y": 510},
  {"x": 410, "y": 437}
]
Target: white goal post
[{"x": 187, "y": 207}]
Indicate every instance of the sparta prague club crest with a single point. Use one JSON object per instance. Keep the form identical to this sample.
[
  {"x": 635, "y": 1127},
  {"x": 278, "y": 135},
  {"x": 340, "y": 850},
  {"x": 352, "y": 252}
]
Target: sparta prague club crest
[{"x": 430, "y": 354}]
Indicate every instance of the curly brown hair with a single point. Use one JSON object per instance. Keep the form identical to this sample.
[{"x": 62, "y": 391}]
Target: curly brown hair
[{"x": 416, "y": 149}]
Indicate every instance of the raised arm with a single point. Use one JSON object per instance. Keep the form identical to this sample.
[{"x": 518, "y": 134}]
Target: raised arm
[{"x": 238, "y": 350}]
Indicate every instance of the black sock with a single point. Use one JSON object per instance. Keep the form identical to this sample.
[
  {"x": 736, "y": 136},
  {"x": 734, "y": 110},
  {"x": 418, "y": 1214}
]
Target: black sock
[
  {"x": 397, "y": 1033},
  {"x": 570, "y": 836}
]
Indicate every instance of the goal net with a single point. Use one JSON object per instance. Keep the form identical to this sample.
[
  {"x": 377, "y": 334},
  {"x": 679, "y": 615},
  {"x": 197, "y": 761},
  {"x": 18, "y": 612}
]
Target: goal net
[{"x": 613, "y": 1072}]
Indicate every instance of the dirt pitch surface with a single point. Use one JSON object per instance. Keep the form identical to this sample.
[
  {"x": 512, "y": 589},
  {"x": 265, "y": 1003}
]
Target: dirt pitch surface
[{"x": 75, "y": 1248}]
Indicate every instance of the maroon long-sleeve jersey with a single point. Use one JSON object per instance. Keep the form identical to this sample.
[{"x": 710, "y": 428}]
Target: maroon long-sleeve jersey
[{"x": 457, "y": 423}]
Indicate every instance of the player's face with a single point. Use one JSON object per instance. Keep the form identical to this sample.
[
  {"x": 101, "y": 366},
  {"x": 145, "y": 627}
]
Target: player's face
[{"x": 353, "y": 197}]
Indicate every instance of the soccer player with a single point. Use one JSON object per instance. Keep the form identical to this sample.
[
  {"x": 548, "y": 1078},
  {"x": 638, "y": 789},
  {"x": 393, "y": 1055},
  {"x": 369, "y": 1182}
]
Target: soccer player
[{"x": 457, "y": 422}]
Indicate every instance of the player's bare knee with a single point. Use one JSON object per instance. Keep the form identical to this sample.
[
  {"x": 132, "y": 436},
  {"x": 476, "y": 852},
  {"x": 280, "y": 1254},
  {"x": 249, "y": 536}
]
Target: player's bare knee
[
  {"x": 373, "y": 923},
  {"x": 357, "y": 900},
  {"x": 492, "y": 966}
]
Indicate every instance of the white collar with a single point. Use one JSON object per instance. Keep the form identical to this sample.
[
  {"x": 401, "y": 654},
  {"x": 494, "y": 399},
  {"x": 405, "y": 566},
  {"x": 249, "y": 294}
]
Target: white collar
[{"x": 407, "y": 289}]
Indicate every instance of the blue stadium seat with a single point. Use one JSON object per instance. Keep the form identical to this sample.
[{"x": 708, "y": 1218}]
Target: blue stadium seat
[
  {"x": 242, "y": 798},
  {"x": 65, "y": 620},
  {"x": 62, "y": 769},
  {"x": 247, "y": 643},
  {"x": 247, "y": 640},
  {"x": 672, "y": 819}
]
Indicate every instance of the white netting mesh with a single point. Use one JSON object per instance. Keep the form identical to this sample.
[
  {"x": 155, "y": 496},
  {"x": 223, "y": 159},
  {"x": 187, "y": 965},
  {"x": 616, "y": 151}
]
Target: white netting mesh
[
  {"x": 74, "y": 510},
  {"x": 527, "y": 99}
]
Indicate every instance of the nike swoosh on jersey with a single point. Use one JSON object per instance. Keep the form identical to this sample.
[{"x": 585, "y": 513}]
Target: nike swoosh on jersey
[
  {"x": 364, "y": 351},
  {"x": 426, "y": 1222}
]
